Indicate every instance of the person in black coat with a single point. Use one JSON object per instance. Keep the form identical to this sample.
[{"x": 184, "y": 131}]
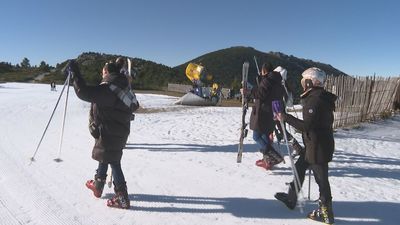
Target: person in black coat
[
  {"x": 112, "y": 103},
  {"x": 317, "y": 134},
  {"x": 269, "y": 89}
]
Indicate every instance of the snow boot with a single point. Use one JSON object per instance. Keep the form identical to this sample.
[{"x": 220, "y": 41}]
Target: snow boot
[
  {"x": 96, "y": 185},
  {"x": 323, "y": 214},
  {"x": 289, "y": 199},
  {"x": 264, "y": 164},
  {"x": 120, "y": 199},
  {"x": 272, "y": 156}
]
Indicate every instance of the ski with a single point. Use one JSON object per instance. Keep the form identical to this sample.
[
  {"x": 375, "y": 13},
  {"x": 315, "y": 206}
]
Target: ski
[
  {"x": 243, "y": 128},
  {"x": 129, "y": 66},
  {"x": 258, "y": 70}
]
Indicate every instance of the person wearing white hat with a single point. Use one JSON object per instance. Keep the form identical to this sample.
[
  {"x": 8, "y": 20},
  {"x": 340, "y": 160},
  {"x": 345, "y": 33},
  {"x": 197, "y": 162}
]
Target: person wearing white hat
[{"x": 317, "y": 134}]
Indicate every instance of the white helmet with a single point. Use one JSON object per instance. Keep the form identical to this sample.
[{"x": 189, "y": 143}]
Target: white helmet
[
  {"x": 315, "y": 74},
  {"x": 282, "y": 71}
]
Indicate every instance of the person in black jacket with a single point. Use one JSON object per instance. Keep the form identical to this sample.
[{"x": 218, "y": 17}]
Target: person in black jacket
[
  {"x": 269, "y": 88},
  {"x": 112, "y": 103},
  {"x": 317, "y": 134}
]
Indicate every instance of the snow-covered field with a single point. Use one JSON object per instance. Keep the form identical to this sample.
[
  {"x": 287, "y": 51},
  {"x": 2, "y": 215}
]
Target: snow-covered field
[{"x": 180, "y": 166}]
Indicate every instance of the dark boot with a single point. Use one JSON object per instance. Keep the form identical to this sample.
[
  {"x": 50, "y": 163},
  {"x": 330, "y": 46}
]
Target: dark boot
[
  {"x": 289, "y": 199},
  {"x": 96, "y": 185},
  {"x": 324, "y": 213},
  {"x": 297, "y": 148},
  {"x": 120, "y": 199}
]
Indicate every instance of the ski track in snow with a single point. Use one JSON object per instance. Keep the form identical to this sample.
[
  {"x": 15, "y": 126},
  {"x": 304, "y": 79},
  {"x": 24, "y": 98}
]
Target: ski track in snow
[{"x": 180, "y": 166}]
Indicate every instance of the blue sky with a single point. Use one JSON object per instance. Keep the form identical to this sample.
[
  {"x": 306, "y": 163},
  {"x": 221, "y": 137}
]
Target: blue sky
[{"x": 359, "y": 37}]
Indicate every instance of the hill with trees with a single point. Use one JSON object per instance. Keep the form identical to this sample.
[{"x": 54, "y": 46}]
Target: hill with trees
[
  {"x": 22, "y": 72},
  {"x": 151, "y": 76},
  {"x": 226, "y": 66}
]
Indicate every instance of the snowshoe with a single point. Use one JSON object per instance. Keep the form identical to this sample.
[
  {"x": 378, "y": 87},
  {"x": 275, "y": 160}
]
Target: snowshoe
[
  {"x": 96, "y": 186},
  {"x": 283, "y": 197},
  {"x": 323, "y": 214}
]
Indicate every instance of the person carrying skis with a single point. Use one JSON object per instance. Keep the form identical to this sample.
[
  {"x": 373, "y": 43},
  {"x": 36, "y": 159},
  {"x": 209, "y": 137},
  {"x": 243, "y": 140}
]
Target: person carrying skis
[
  {"x": 261, "y": 118},
  {"x": 278, "y": 128},
  {"x": 122, "y": 66},
  {"x": 317, "y": 134},
  {"x": 112, "y": 104}
]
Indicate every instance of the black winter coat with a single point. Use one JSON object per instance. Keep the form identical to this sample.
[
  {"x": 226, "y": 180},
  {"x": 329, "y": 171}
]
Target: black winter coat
[
  {"x": 269, "y": 89},
  {"x": 316, "y": 126},
  {"x": 109, "y": 114}
]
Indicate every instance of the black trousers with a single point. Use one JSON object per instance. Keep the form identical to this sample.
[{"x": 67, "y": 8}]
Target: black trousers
[{"x": 320, "y": 172}]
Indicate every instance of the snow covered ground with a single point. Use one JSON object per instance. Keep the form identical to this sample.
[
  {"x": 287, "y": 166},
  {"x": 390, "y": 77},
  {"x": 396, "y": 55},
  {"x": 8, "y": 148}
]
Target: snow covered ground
[{"x": 180, "y": 165}]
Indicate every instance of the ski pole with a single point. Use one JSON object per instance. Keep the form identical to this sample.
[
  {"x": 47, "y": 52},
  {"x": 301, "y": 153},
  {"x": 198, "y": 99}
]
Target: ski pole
[
  {"x": 277, "y": 108},
  {"x": 309, "y": 183},
  {"x": 297, "y": 182},
  {"x": 58, "y": 159},
  {"x": 48, "y": 123}
]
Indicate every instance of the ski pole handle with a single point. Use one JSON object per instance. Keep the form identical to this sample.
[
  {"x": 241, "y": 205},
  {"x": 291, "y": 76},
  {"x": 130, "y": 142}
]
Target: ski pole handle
[{"x": 277, "y": 106}]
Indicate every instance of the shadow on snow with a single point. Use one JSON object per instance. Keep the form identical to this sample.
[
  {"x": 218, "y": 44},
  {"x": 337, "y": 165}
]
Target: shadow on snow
[
  {"x": 344, "y": 164},
  {"x": 352, "y": 213},
  {"x": 173, "y": 147}
]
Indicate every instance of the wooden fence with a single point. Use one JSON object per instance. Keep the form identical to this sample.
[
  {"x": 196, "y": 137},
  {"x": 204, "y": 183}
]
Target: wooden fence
[{"x": 363, "y": 98}]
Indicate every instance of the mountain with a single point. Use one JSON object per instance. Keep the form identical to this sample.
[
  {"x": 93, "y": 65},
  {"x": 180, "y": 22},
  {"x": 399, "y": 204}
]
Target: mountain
[{"x": 226, "y": 65}]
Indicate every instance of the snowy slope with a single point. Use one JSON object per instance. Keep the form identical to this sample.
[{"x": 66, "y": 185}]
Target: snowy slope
[{"x": 180, "y": 165}]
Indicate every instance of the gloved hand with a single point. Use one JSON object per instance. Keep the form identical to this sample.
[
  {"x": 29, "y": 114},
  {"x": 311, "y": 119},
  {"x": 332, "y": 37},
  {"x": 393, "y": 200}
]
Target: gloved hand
[{"x": 71, "y": 67}]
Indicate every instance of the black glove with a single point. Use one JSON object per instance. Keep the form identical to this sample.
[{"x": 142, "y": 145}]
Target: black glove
[{"x": 71, "y": 67}]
